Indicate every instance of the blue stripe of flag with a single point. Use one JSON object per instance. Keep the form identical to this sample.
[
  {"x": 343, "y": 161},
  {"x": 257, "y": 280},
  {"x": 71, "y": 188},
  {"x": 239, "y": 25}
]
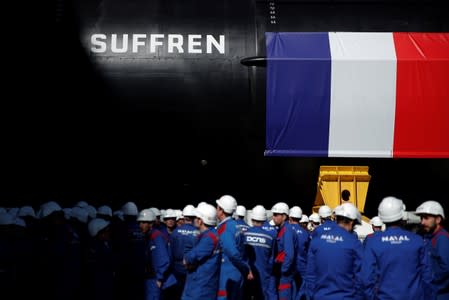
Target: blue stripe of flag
[{"x": 298, "y": 94}]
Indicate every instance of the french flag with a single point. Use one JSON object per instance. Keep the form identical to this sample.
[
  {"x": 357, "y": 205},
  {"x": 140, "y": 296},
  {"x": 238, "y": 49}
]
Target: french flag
[{"x": 347, "y": 94}]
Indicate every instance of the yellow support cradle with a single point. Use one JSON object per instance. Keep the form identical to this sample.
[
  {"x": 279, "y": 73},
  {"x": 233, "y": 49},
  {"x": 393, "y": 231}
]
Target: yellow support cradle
[{"x": 340, "y": 184}]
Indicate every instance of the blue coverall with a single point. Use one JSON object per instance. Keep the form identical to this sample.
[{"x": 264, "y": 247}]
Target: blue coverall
[
  {"x": 60, "y": 258},
  {"x": 270, "y": 228},
  {"x": 203, "y": 262},
  {"x": 157, "y": 265},
  {"x": 273, "y": 231},
  {"x": 260, "y": 250},
  {"x": 163, "y": 229},
  {"x": 242, "y": 225},
  {"x": 302, "y": 246},
  {"x": 396, "y": 266},
  {"x": 326, "y": 226},
  {"x": 285, "y": 261},
  {"x": 132, "y": 257},
  {"x": 160, "y": 226},
  {"x": 100, "y": 270},
  {"x": 439, "y": 262},
  {"x": 234, "y": 268},
  {"x": 333, "y": 266},
  {"x": 368, "y": 237},
  {"x": 182, "y": 241}
]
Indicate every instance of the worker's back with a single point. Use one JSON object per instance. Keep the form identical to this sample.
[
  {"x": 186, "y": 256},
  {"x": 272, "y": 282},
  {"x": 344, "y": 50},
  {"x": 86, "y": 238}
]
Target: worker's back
[{"x": 395, "y": 266}]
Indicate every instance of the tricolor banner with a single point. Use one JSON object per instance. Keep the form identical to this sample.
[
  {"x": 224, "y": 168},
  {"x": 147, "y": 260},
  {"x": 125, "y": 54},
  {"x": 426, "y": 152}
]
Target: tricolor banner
[{"x": 344, "y": 94}]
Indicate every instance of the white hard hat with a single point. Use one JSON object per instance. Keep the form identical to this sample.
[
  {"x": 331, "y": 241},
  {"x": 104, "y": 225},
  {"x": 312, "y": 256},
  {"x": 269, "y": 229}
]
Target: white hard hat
[
  {"x": 336, "y": 209},
  {"x": 104, "y": 210},
  {"x": 96, "y": 225},
  {"x": 179, "y": 215},
  {"x": 170, "y": 213},
  {"x": 315, "y": 218},
  {"x": 430, "y": 208},
  {"x": 304, "y": 219},
  {"x": 376, "y": 221},
  {"x": 20, "y": 222},
  {"x": 146, "y": 215},
  {"x": 6, "y": 219},
  {"x": 207, "y": 213},
  {"x": 82, "y": 204},
  {"x": 227, "y": 203},
  {"x": 259, "y": 213},
  {"x": 391, "y": 209},
  {"x": 413, "y": 218},
  {"x": 324, "y": 211},
  {"x": 200, "y": 204},
  {"x": 119, "y": 214},
  {"x": 49, "y": 208},
  {"x": 67, "y": 213},
  {"x": 348, "y": 210},
  {"x": 189, "y": 211},
  {"x": 81, "y": 214},
  {"x": 156, "y": 211},
  {"x": 280, "y": 208},
  {"x": 26, "y": 211},
  {"x": 130, "y": 209},
  {"x": 295, "y": 212},
  {"x": 240, "y": 211},
  {"x": 405, "y": 216},
  {"x": 92, "y": 211}
]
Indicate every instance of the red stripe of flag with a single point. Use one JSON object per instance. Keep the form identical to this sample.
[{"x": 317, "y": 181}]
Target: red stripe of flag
[{"x": 422, "y": 95}]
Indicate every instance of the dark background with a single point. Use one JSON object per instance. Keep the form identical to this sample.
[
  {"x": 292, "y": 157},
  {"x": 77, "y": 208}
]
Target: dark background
[{"x": 113, "y": 128}]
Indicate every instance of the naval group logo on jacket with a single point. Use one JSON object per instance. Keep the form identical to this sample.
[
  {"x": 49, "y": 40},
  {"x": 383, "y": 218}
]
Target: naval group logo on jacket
[
  {"x": 188, "y": 232},
  {"x": 393, "y": 239},
  {"x": 329, "y": 238}
]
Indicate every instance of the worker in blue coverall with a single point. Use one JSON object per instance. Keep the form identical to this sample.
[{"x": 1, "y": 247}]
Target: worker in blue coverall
[
  {"x": 285, "y": 261},
  {"x": 240, "y": 213},
  {"x": 260, "y": 250},
  {"x": 157, "y": 259},
  {"x": 395, "y": 263},
  {"x": 100, "y": 263},
  {"x": 302, "y": 245},
  {"x": 325, "y": 213},
  {"x": 204, "y": 259},
  {"x": 432, "y": 216},
  {"x": 59, "y": 253},
  {"x": 159, "y": 225},
  {"x": 182, "y": 241},
  {"x": 234, "y": 268},
  {"x": 304, "y": 222},
  {"x": 130, "y": 246},
  {"x": 270, "y": 228},
  {"x": 376, "y": 225},
  {"x": 170, "y": 220},
  {"x": 334, "y": 259}
]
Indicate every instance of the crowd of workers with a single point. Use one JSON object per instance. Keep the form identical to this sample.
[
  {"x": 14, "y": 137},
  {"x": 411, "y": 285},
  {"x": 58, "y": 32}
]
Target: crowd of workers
[{"x": 210, "y": 252}]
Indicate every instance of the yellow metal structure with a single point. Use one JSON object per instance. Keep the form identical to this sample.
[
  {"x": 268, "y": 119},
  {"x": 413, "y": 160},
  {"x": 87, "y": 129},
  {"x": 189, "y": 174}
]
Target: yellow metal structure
[{"x": 340, "y": 184}]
